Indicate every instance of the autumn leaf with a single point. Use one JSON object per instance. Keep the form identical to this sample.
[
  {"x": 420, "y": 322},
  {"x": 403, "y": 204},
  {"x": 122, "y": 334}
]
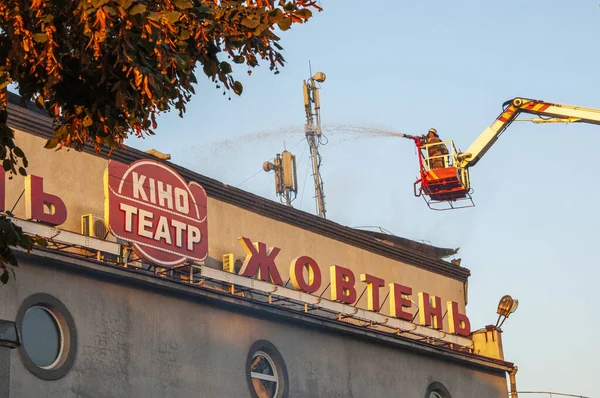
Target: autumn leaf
[
  {"x": 18, "y": 152},
  {"x": 285, "y": 23},
  {"x": 137, "y": 9},
  {"x": 40, "y": 37},
  {"x": 225, "y": 67},
  {"x": 172, "y": 17},
  {"x": 250, "y": 23},
  {"x": 238, "y": 88},
  {"x": 183, "y": 4}
]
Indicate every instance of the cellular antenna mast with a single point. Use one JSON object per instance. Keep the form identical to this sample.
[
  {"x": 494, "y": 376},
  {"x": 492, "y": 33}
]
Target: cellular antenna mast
[
  {"x": 286, "y": 178},
  {"x": 312, "y": 105}
]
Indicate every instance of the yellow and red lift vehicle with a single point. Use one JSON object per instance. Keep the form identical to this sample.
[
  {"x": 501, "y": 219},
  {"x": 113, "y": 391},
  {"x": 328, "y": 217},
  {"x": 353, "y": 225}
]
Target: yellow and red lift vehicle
[{"x": 448, "y": 187}]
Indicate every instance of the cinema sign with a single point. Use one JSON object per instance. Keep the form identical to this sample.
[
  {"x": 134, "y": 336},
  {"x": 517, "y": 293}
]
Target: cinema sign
[
  {"x": 164, "y": 218},
  {"x": 151, "y": 206}
]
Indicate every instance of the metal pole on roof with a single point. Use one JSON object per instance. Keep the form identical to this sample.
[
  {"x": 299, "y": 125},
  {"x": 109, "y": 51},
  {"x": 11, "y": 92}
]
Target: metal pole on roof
[{"x": 312, "y": 105}]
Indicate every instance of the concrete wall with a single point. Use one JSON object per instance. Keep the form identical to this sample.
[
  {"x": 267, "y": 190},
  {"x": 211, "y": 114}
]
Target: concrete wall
[
  {"x": 135, "y": 342},
  {"x": 78, "y": 179},
  {"x": 5, "y": 365}
]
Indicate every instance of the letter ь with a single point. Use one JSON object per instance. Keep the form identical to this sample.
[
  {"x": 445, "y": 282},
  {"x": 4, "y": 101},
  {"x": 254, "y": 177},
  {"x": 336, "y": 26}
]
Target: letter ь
[{"x": 258, "y": 259}]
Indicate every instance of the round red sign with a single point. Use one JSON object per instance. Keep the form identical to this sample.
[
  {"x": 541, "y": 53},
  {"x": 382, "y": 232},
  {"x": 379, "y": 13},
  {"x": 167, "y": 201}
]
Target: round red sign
[{"x": 152, "y": 207}]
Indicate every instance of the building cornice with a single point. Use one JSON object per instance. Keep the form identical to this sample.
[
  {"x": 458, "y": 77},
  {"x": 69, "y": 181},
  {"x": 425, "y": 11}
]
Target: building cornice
[
  {"x": 145, "y": 279},
  {"x": 29, "y": 119}
]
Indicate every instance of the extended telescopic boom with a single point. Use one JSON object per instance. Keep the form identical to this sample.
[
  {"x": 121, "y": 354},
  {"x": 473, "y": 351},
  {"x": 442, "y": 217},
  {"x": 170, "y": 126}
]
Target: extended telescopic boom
[{"x": 556, "y": 113}]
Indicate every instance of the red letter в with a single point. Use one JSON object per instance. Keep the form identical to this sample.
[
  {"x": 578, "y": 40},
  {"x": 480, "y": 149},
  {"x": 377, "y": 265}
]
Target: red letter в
[
  {"x": 342, "y": 284},
  {"x": 42, "y": 206}
]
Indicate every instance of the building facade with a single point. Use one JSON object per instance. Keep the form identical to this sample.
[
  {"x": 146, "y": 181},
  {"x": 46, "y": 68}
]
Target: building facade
[{"x": 159, "y": 282}]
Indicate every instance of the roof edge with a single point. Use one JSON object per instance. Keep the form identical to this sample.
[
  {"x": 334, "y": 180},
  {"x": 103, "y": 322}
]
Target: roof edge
[{"x": 28, "y": 118}]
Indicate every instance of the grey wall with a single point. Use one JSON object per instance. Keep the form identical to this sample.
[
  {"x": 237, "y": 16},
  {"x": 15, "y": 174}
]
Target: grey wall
[
  {"x": 134, "y": 342},
  {"x": 5, "y": 365}
]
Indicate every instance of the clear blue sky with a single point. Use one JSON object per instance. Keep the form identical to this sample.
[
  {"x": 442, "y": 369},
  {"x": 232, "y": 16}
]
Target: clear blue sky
[{"x": 408, "y": 66}]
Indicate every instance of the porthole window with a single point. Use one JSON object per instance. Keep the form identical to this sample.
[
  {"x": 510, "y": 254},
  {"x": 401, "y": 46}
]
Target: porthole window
[
  {"x": 48, "y": 336},
  {"x": 437, "y": 390},
  {"x": 41, "y": 337},
  {"x": 266, "y": 371},
  {"x": 264, "y": 375}
]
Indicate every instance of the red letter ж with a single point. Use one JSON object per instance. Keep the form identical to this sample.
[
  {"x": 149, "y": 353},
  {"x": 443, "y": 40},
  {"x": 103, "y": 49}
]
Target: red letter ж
[{"x": 258, "y": 259}]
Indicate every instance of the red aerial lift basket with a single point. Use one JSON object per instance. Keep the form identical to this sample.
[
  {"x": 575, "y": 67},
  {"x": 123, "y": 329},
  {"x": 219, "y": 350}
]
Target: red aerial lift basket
[
  {"x": 443, "y": 184},
  {"x": 443, "y": 188}
]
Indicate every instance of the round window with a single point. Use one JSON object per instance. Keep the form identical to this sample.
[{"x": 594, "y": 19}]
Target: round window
[
  {"x": 437, "y": 390},
  {"x": 266, "y": 371},
  {"x": 41, "y": 336},
  {"x": 264, "y": 375},
  {"x": 48, "y": 336}
]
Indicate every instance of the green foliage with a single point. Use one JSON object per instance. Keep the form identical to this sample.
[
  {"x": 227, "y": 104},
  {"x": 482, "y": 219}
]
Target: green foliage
[
  {"x": 103, "y": 69},
  {"x": 11, "y": 236}
]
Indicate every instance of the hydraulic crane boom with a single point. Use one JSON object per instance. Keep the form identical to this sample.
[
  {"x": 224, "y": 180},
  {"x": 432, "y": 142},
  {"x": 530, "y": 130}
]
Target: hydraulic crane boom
[
  {"x": 557, "y": 113},
  {"x": 444, "y": 180}
]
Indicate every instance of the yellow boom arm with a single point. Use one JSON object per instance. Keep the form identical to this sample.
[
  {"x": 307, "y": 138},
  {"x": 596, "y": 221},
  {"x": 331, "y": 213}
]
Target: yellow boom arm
[{"x": 556, "y": 113}]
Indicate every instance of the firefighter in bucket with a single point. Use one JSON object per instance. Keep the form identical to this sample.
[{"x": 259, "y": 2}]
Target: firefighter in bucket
[{"x": 435, "y": 153}]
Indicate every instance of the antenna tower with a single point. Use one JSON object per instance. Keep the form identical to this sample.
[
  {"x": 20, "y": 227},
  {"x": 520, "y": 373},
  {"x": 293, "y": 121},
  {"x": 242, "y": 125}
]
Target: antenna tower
[
  {"x": 312, "y": 105},
  {"x": 286, "y": 179}
]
